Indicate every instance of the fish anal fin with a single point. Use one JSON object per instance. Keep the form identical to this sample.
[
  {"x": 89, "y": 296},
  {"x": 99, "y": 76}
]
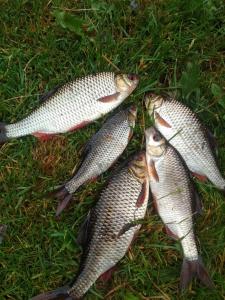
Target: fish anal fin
[
  {"x": 191, "y": 269},
  {"x": 162, "y": 121},
  {"x": 152, "y": 171},
  {"x": 110, "y": 98},
  {"x": 108, "y": 274},
  {"x": 79, "y": 126},
  {"x": 170, "y": 233},
  {"x": 143, "y": 194},
  {"x": 200, "y": 177},
  {"x": 43, "y": 136}
]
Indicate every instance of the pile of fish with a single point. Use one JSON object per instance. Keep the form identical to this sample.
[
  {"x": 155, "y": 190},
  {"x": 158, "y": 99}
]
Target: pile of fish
[{"x": 177, "y": 147}]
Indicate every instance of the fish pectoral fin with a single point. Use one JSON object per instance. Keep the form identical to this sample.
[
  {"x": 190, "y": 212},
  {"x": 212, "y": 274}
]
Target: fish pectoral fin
[
  {"x": 161, "y": 121},
  {"x": 110, "y": 98},
  {"x": 130, "y": 134},
  {"x": 143, "y": 194},
  {"x": 152, "y": 171},
  {"x": 200, "y": 177}
]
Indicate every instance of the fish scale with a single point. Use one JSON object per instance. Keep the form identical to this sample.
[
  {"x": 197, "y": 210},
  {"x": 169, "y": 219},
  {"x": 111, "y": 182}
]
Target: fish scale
[
  {"x": 174, "y": 198},
  {"x": 116, "y": 208},
  {"x": 175, "y": 201},
  {"x": 73, "y": 104},
  {"x": 100, "y": 153},
  {"x": 106, "y": 146},
  {"x": 189, "y": 137},
  {"x": 104, "y": 236}
]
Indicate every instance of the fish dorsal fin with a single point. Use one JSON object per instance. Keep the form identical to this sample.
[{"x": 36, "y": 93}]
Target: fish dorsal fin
[
  {"x": 161, "y": 121},
  {"x": 44, "y": 97},
  {"x": 109, "y": 98},
  {"x": 212, "y": 140},
  {"x": 196, "y": 201},
  {"x": 86, "y": 228}
]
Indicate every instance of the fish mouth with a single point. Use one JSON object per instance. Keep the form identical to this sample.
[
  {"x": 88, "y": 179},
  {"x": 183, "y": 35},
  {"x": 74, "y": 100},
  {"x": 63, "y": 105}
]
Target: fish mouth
[
  {"x": 126, "y": 82},
  {"x": 152, "y": 101},
  {"x": 155, "y": 142},
  {"x": 133, "y": 110}
]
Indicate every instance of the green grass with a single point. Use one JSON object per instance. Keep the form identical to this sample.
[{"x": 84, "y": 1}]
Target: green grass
[{"x": 175, "y": 46}]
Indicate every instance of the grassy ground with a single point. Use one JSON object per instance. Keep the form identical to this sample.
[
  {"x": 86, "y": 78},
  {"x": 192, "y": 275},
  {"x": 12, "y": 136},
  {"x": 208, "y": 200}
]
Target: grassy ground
[{"x": 175, "y": 46}]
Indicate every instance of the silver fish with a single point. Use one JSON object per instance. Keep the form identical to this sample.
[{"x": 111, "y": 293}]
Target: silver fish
[
  {"x": 101, "y": 152},
  {"x": 173, "y": 196},
  {"x": 73, "y": 105},
  {"x": 109, "y": 229},
  {"x": 181, "y": 127}
]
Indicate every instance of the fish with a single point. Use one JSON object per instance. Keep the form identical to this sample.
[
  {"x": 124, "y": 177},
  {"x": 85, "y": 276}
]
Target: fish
[
  {"x": 102, "y": 150},
  {"x": 110, "y": 227},
  {"x": 73, "y": 106},
  {"x": 173, "y": 195},
  {"x": 182, "y": 128},
  {"x": 3, "y": 229}
]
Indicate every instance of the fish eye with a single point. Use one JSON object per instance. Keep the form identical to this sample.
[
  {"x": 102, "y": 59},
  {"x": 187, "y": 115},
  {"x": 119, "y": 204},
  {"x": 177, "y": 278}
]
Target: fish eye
[
  {"x": 156, "y": 137},
  {"x": 132, "y": 77}
]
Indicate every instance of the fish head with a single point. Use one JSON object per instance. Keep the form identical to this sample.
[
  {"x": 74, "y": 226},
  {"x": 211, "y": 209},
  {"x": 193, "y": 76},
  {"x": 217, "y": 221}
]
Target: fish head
[
  {"x": 155, "y": 142},
  {"x": 138, "y": 167},
  {"x": 132, "y": 115},
  {"x": 126, "y": 83},
  {"x": 152, "y": 102}
]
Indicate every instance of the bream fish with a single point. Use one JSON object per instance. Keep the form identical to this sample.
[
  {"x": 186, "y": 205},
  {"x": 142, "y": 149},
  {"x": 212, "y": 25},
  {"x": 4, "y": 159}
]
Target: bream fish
[
  {"x": 73, "y": 105},
  {"x": 174, "y": 199},
  {"x": 110, "y": 227},
  {"x": 101, "y": 152},
  {"x": 181, "y": 127}
]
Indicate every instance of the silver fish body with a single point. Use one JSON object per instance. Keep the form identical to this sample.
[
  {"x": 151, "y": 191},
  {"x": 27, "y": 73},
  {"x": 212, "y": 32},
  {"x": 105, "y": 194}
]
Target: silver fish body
[
  {"x": 108, "y": 231},
  {"x": 173, "y": 195},
  {"x": 101, "y": 152},
  {"x": 181, "y": 127},
  {"x": 74, "y": 105}
]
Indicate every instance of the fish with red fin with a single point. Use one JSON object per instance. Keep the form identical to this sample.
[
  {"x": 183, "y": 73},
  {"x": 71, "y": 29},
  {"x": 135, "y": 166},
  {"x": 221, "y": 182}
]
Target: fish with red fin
[
  {"x": 110, "y": 227},
  {"x": 73, "y": 105},
  {"x": 174, "y": 197},
  {"x": 102, "y": 150}
]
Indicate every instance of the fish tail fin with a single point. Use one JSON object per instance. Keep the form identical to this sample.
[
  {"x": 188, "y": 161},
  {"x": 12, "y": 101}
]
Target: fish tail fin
[
  {"x": 3, "y": 136},
  {"x": 58, "y": 294},
  {"x": 64, "y": 197},
  {"x": 194, "y": 268}
]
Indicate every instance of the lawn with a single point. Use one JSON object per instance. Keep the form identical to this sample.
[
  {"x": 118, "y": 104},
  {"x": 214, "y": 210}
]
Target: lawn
[{"x": 176, "y": 47}]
